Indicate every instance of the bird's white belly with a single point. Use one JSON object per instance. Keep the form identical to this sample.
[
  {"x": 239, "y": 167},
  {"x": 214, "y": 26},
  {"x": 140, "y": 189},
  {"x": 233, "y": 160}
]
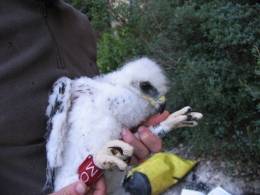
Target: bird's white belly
[{"x": 82, "y": 143}]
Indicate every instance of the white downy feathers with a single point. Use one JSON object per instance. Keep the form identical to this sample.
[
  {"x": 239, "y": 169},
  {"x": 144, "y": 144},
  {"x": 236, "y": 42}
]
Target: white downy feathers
[{"x": 86, "y": 113}]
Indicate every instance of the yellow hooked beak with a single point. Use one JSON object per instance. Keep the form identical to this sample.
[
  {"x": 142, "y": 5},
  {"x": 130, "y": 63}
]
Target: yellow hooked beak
[{"x": 159, "y": 104}]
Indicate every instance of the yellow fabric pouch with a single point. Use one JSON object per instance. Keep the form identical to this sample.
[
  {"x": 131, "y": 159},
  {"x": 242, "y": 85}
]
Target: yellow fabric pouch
[{"x": 157, "y": 174}]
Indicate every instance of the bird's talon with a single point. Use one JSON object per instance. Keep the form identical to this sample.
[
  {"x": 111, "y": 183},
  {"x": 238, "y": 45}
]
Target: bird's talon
[
  {"x": 189, "y": 110},
  {"x": 189, "y": 117},
  {"x": 128, "y": 160},
  {"x": 115, "y": 150}
]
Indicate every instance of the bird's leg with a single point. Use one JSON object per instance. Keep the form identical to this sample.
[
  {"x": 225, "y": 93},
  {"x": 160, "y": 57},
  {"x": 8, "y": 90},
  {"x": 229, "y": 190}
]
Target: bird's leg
[
  {"x": 113, "y": 154},
  {"x": 178, "y": 119}
]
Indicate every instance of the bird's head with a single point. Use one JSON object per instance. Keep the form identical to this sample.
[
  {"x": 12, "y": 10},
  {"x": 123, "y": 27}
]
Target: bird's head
[{"x": 145, "y": 78}]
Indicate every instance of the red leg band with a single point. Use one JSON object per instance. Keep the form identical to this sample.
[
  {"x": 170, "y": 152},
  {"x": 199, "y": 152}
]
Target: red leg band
[{"x": 88, "y": 172}]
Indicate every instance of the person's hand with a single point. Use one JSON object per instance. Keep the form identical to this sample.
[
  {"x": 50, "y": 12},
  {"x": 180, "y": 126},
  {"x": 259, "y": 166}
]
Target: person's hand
[
  {"x": 144, "y": 141},
  {"x": 79, "y": 188}
]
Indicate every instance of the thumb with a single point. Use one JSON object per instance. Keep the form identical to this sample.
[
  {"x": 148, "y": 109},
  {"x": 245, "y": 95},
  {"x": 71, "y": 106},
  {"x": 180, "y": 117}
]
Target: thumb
[{"x": 77, "y": 188}]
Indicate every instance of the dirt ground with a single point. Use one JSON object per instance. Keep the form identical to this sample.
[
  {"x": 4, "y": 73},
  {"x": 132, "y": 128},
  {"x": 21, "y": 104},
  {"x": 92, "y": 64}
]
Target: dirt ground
[{"x": 212, "y": 173}]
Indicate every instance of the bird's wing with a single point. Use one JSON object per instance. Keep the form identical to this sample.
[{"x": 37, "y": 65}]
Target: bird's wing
[{"x": 57, "y": 111}]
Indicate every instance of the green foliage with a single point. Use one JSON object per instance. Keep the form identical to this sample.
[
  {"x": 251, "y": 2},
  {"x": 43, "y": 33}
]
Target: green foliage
[
  {"x": 115, "y": 48},
  {"x": 206, "y": 48},
  {"x": 213, "y": 45},
  {"x": 210, "y": 50},
  {"x": 96, "y": 10},
  {"x": 254, "y": 90},
  {"x": 123, "y": 42}
]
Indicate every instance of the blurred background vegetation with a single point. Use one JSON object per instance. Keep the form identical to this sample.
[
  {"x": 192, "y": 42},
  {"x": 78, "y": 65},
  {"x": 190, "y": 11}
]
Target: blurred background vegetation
[{"x": 211, "y": 52}]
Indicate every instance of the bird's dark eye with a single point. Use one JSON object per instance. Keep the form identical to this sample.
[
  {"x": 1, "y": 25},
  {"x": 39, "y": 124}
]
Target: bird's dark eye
[{"x": 145, "y": 86}]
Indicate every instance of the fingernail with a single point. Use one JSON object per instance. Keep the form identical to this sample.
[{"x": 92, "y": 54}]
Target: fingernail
[
  {"x": 124, "y": 132},
  {"x": 81, "y": 188},
  {"x": 143, "y": 129}
]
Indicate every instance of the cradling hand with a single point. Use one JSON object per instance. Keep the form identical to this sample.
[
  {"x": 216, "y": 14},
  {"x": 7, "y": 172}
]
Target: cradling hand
[{"x": 144, "y": 141}]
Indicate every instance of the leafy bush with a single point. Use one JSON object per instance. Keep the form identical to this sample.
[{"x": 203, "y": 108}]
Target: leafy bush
[
  {"x": 96, "y": 10},
  {"x": 113, "y": 49},
  {"x": 213, "y": 44}
]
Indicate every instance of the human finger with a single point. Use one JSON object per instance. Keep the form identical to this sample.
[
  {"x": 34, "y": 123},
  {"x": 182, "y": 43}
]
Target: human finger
[
  {"x": 100, "y": 187},
  {"x": 134, "y": 160},
  {"x": 151, "y": 141},
  {"x": 77, "y": 188},
  {"x": 156, "y": 119},
  {"x": 140, "y": 150}
]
